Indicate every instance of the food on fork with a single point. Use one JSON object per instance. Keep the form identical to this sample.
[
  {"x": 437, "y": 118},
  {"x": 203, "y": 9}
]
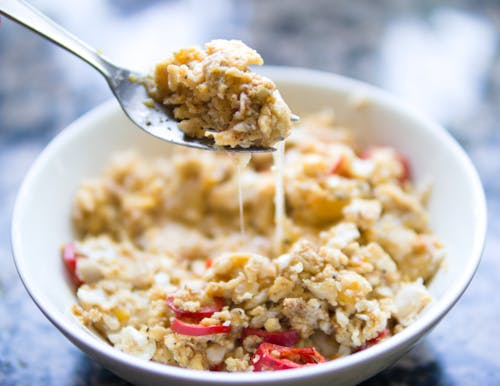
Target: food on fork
[{"x": 214, "y": 94}]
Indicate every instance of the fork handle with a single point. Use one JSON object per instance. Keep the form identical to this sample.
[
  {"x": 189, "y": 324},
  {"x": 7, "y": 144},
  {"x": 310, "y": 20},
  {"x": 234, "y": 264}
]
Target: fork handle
[{"x": 28, "y": 16}]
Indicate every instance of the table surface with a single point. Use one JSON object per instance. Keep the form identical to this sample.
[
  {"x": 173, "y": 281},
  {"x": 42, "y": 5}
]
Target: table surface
[{"x": 440, "y": 55}]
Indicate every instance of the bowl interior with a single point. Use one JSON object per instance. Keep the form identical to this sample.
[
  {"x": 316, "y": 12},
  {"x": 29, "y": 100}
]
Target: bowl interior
[{"x": 41, "y": 221}]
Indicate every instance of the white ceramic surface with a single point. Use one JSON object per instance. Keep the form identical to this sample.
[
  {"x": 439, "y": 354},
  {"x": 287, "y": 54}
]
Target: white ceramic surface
[{"x": 41, "y": 221}]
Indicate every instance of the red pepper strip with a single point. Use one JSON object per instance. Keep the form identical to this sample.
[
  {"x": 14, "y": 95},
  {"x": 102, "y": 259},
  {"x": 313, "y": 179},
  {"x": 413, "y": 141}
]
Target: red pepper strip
[
  {"x": 283, "y": 338},
  {"x": 372, "y": 342},
  {"x": 180, "y": 327},
  {"x": 208, "y": 263},
  {"x": 69, "y": 257},
  {"x": 203, "y": 312},
  {"x": 270, "y": 357}
]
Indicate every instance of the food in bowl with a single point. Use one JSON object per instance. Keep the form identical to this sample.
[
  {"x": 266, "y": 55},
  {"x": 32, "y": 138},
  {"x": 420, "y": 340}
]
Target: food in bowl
[
  {"x": 165, "y": 273},
  {"x": 214, "y": 94}
]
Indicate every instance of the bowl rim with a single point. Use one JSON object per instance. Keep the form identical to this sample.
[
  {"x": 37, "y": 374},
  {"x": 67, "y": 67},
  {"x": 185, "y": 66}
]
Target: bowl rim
[{"x": 280, "y": 74}]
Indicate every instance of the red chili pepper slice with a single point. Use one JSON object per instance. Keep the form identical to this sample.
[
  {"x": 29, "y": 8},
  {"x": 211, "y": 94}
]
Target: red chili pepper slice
[
  {"x": 366, "y": 153},
  {"x": 405, "y": 164},
  {"x": 69, "y": 257},
  {"x": 270, "y": 357},
  {"x": 203, "y": 312},
  {"x": 217, "y": 367},
  {"x": 183, "y": 328},
  {"x": 337, "y": 165},
  {"x": 381, "y": 336},
  {"x": 372, "y": 342},
  {"x": 282, "y": 338}
]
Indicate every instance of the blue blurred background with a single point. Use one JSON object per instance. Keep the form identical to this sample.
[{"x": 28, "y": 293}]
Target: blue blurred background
[{"x": 442, "y": 56}]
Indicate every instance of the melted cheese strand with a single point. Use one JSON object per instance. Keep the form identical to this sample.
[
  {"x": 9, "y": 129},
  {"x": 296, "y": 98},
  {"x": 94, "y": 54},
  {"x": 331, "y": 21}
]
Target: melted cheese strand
[
  {"x": 240, "y": 201},
  {"x": 279, "y": 196},
  {"x": 242, "y": 161}
]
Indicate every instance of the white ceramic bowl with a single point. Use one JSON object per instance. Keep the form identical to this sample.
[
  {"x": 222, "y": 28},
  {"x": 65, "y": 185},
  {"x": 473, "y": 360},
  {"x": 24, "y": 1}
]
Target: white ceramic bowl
[{"x": 41, "y": 221}]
